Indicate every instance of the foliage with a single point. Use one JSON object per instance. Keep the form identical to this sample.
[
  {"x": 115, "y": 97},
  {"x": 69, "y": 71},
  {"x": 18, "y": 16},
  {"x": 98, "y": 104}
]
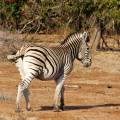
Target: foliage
[
  {"x": 51, "y": 15},
  {"x": 107, "y": 11}
]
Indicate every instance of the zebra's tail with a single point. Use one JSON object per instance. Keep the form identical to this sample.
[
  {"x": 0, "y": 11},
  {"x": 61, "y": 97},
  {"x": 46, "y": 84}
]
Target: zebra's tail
[{"x": 13, "y": 57}]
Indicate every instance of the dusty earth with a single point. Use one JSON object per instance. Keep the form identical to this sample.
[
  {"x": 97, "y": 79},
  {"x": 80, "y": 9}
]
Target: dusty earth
[{"x": 90, "y": 93}]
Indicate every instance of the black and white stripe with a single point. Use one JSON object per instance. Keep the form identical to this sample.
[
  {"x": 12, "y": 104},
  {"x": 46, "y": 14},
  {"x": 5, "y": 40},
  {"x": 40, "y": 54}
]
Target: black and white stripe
[{"x": 48, "y": 63}]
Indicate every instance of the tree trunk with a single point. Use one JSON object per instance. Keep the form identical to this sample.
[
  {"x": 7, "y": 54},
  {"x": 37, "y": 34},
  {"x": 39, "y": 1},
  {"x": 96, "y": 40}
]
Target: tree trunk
[{"x": 95, "y": 37}]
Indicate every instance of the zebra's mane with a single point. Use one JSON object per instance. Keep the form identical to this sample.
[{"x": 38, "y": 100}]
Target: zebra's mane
[{"x": 69, "y": 36}]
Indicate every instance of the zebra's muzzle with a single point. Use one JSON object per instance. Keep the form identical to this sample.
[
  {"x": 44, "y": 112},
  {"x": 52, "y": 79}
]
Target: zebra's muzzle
[{"x": 87, "y": 64}]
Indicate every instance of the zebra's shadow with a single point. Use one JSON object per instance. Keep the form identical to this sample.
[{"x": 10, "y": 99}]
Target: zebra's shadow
[{"x": 69, "y": 108}]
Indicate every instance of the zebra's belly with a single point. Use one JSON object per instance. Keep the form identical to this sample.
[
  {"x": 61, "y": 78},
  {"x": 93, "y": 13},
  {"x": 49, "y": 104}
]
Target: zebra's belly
[
  {"x": 47, "y": 75},
  {"x": 49, "y": 71}
]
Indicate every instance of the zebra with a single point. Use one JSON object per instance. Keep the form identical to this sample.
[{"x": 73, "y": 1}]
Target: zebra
[{"x": 46, "y": 63}]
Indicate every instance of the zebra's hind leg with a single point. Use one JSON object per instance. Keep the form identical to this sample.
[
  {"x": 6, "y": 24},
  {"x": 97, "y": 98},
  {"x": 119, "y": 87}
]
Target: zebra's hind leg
[
  {"x": 59, "y": 95},
  {"x": 23, "y": 90},
  {"x": 18, "y": 100},
  {"x": 26, "y": 95}
]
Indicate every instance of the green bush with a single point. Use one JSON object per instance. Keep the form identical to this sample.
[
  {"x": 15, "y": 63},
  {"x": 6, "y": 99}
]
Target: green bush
[{"x": 48, "y": 16}]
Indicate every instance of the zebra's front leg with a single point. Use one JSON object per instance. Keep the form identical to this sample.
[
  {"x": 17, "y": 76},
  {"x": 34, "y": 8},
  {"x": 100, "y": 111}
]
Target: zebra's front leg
[
  {"x": 59, "y": 95},
  {"x": 59, "y": 101},
  {"x": 62, "y": 98}
]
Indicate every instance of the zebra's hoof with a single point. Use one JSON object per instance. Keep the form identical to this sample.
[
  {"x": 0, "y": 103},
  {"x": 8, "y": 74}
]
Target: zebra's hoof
[
  {"x": 57, "y": 109},
  {"x": 28, "y": 109},
  {"x": 62, "y": 108},
  {"x": 17, "y": 110}
]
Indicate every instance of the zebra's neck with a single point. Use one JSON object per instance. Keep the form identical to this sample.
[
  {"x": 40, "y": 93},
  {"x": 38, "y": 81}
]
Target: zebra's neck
[{"x": 71, "y": 44}]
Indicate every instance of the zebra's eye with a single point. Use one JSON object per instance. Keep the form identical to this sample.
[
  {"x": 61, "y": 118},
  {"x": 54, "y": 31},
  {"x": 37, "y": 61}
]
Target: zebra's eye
[{"x": 87, "y": 48}]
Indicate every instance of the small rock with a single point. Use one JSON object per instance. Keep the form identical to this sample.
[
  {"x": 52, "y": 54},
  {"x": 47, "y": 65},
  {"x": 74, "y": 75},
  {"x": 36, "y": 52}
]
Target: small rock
[{"x": 109, "y": 86}]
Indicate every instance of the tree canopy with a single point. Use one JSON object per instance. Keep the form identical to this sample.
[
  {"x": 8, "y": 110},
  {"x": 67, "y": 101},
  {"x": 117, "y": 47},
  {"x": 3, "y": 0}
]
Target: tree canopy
[{"x": 47, "y": 16}]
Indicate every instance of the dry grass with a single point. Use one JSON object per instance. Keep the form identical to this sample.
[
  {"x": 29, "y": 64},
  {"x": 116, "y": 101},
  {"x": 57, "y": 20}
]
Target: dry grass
[{"x": 6, "y": 96}]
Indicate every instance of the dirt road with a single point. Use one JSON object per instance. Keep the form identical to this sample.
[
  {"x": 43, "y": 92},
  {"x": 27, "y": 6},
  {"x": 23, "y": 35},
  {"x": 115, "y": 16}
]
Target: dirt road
[{"x": 90, "y": 94}]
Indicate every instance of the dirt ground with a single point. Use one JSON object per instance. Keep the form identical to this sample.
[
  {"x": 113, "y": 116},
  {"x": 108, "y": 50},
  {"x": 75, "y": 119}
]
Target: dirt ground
[{"x": 90, "y": 93}]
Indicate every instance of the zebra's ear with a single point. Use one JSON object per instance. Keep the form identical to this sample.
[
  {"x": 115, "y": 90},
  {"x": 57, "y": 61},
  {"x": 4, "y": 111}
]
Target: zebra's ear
[{"x": 84, "y": 36}]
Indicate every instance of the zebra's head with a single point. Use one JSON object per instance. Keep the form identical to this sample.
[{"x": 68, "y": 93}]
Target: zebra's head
[{"x": 84, "y": 54}]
